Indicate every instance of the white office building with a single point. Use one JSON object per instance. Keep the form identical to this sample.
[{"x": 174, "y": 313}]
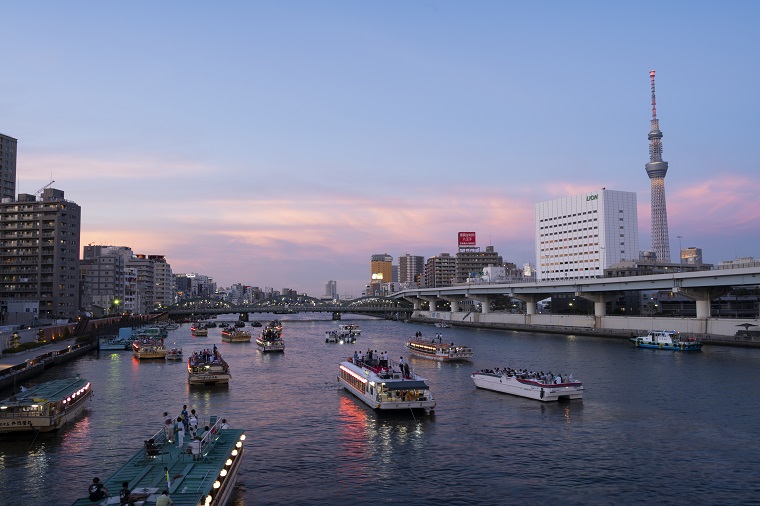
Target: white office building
[{"x": 578, "y": 237}]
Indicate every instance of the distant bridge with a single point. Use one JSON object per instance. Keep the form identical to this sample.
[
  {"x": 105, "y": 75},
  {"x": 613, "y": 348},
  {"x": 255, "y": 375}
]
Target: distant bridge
[{"x": 376, "y": 306}]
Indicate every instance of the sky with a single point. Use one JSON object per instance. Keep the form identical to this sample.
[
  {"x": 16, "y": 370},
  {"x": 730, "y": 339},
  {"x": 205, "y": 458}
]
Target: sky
[{"x": 283, "y": 143}]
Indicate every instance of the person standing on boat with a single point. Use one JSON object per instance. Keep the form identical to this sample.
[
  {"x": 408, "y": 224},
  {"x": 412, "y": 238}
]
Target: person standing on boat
[
  {"x": 185, "y": 417},
  {"x": 180, "y": 428},
  {"x": 168, "y": 428},
  {"x": 193, "y": 424}
]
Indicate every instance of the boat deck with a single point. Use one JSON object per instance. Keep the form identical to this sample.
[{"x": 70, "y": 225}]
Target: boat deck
[{"x": 191, "y": 470}]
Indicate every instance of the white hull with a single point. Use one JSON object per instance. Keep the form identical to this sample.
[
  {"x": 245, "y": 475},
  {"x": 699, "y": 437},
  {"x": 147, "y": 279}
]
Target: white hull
[
  {"x": 385, "y": 393},
  {"x": 209, "y": 378},
  {"x": 527, "y": 388},
  {"x": 270, "y": 346},
  {"x": 439, "y": 352}
]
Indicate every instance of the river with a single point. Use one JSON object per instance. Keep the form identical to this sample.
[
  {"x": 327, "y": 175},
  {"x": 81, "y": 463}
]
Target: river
[{"x": 653, "y": 427}]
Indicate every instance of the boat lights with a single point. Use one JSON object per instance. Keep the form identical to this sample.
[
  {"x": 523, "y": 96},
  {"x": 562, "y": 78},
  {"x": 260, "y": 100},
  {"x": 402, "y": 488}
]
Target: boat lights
[
  {"x": 352, "y": 373},
  {"x": 208, "y": 499},
  {"x": 242, "y": 437},
  {"x": 223, "y": 473},
  {"x": 217, "y": 484},
  {"x": 238, "y": 444},
  {"x": 228, "y": 463},
  {"x": 234, "y": 453}
]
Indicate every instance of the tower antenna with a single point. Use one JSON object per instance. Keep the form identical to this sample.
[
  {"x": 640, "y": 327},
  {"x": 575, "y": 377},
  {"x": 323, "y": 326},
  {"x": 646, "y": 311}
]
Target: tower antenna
[{"x": 656, "y": 170}]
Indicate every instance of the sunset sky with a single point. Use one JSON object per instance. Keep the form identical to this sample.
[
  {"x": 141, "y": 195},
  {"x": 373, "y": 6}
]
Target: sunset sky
[{"x": 282, "y": 143}]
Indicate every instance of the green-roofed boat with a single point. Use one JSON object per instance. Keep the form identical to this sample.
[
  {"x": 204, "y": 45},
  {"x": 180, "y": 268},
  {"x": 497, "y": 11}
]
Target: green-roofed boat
[
  {"x": 201, "y": 472},
  {"x": 45, "y": 407}
]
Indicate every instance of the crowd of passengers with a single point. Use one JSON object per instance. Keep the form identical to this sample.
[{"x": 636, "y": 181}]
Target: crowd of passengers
[
  {"x": 206, "y": 357},
  {"x": 541, "y": 376},
  {"x": 373, "y": 358}
]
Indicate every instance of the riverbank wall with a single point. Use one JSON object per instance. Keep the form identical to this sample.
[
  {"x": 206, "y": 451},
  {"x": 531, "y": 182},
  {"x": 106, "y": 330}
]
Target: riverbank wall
[{"x": 712, "y": 331}]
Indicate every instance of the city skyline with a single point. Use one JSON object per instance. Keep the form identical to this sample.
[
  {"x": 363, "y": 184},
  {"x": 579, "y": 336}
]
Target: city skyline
[{"x": 283, "y": 145}]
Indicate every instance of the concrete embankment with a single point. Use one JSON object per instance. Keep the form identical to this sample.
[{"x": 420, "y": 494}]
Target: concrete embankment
[
  {"x": 18, "y": 367},
  {"x": 589, "y": 326}
]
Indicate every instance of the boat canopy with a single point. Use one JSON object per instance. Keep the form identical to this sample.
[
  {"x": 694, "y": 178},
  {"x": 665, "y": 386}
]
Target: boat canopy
[{"x": 406, "y": 385}]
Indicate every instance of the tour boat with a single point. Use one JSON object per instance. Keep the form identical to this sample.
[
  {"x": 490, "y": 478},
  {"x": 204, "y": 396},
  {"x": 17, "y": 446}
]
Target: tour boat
[
  {"x": 233, "y": 335},
  {"x": 270, "y": 342},
  {"x": 538, "y": 386},
  {"x": 331, "y": 336},
  {"x": 666, "y": 340},
  {"x": 45, "y": 407},
  {"x": 206, "y": 368},
  {"x": 385, "y": 386},
  {"x": 147, "y": 347},
  {"x": 114, "y": 343},
  {"x": 442, "y": 352},
  {"x": 174, "y": 354},
  {"x": 443, "y": 325},
  {"x": 349, "y": 329},
  {"x": 199, "y": 330},
  {"x": 202, "y": 472}
]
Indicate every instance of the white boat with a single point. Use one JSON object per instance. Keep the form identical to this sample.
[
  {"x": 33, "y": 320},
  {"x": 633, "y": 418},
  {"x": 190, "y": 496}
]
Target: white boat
[
  {"x": 270, "y": 342},
  {"x": 443, "y": 325},
  {"x": 442, "y": 352},
  {"x": 233, "y": 335},
  {"x": 148, "y": 347},
  {"x": 114, "y": 343},
  {"x": 207, "y": 369},
  {"x": 331, "y": 336},
  {"x": 349, "y": 329},
  {"x": 174, "y": 353},
  {"x": 531, "y": 385},
  {"x": 666, "y": 340},
  {"x": 385, "y": 386},
  {"x": 45, "y": 407}
]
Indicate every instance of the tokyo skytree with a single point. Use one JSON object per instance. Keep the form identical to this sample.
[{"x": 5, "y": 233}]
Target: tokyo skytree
[{"x": 656, "y": 170}]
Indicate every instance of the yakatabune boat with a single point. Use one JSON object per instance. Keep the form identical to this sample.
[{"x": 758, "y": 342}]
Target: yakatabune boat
[
  {"x": 442, "y": 352},
  {"x": 270, "y": 342},
  {"x": 206, "y": 368},
  {"x": 666, "y": 340},
  {"x": 114, "y": 343},
  {"x": 385, "y": 386},
  {"x": 538, "y": 386},
  {"x": 202, "y": 472},
  {"x": 45, "y": 407},
  {"x": 233, "y": 335},
  {"x": 148, "y": 347},
  {"x": 199, "y": 330}
]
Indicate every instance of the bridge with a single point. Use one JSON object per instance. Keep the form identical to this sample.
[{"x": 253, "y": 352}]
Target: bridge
[
  {"x": 371, "y": 305},
  {"x": 701, "y": 286}
]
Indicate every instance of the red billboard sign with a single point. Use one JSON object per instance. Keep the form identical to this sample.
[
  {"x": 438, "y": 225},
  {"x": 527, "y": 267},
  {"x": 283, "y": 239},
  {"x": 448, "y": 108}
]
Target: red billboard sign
[{"x": 466, "y": 239}]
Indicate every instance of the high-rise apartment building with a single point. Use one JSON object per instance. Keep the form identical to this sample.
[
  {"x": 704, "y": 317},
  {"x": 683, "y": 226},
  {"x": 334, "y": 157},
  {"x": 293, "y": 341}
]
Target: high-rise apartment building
[
  {"x": 410, "y": 268},
  {"x": 39, "y": 244},
  {"x": 439, "y": 271},
  {"x": 471, "y": 261},
  {"x": 106, "y": 282},
  {"x": 163, "y": 282},
  {"x": 578, "y": 237},
  {"x": 656, "y": 170},
  {"x": 8, "y": 149},
  {"x": 381, "y": 269},
  {"x": 331, "y": 289},
  {"x": 192, "y": 285}
]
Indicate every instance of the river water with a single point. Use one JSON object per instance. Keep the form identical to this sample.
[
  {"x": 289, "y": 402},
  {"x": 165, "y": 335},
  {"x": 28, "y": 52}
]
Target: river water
[{"x": 653, "y": 427}]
